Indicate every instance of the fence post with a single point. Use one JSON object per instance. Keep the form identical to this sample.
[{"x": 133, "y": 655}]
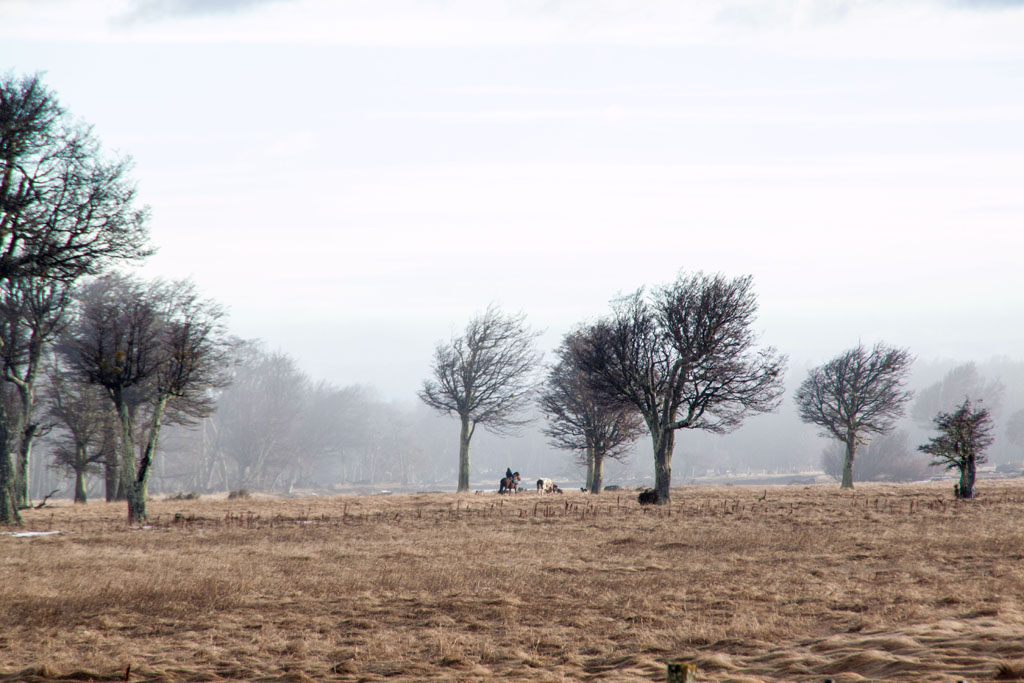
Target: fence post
[{"x": 678, "y": 672}]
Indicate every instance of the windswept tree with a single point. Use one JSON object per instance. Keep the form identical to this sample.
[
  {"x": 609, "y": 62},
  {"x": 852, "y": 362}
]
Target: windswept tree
[
  {"x": 964, "y": 434},
  {"x": 579, "y": 421},
  {"x": 485, "y": 377},
  {"x": 156, "y": 349},
  {"x": 66, "y": 210},
  {"x": 856, "y": 394},
  {"x": 683, "y": 358}
]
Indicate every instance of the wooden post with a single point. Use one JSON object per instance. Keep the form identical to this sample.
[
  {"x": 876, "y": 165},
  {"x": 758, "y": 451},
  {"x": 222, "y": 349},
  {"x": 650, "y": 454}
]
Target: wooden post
[{"x": 679, "y": 672}]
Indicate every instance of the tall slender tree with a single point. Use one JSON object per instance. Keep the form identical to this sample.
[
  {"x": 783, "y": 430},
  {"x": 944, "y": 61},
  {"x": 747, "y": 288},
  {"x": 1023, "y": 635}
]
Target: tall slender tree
[
  {"x": 684, "y": 358},
  {"x": 856, "y": 394},
  {"x": 485, "y": 377}
]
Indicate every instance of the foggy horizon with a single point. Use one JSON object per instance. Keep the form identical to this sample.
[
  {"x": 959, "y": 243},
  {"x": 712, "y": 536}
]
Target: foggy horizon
[{"x": 355, "y": 181}]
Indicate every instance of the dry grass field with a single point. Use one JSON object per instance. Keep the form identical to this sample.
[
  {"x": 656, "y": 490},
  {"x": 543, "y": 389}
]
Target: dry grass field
[{"x": 891, "y": 582}]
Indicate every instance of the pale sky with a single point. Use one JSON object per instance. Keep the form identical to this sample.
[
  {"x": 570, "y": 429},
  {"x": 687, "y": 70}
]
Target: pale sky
[{"x": 355, "y": 179}]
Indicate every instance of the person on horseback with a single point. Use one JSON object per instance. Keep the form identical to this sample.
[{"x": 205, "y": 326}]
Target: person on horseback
[{"x": 509, "y": 483}]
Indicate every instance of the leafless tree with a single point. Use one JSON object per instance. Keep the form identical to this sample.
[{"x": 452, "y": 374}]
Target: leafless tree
[
  {"x": 154, "y": 347},
  {"x": 578, "y": 421},
  {"x": 257, "y": 417},
  {"x": 964, "y": 434},
  {"x": 856, "y": 394},
  {"x": 84, "y": 416},
  {"x": 684, "y": 358},
  {"x": 65, "y": 211},
  {"x": 485, "y": 377}
]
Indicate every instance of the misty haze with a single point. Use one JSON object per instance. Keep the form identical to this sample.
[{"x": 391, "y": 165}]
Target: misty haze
[{"x": 503, "y": 340}]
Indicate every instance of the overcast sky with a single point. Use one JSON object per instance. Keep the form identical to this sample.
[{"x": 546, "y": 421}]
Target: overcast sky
[{"x": 355, "y": 179}]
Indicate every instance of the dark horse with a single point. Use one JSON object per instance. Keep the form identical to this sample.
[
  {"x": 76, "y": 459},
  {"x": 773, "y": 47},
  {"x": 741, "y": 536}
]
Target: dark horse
[{"x": 509, "y": 484}]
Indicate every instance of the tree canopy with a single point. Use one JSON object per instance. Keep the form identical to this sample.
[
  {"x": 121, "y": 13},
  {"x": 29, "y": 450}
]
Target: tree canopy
[{"x": 857, "y": 393}]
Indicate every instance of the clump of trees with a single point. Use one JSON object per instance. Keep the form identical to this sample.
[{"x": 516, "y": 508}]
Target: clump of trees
[
  {"x": 67, "y": 210},
  {"x": 156, "y": 349},
  {"x": 275, "y": 428},
  {"x": 856, "y": 394},
  {"x": 683, "y": 357},
  {"x": 964, "y": 434},
  {"x": 581, "y": 421},
  {"x": 485, "y": 377}
]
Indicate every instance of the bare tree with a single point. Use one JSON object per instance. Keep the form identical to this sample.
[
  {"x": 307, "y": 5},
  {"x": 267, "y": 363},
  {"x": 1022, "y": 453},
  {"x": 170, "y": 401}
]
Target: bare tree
[
  {"x": 85, "y": 419},
  {"x": 33, "y": 311},
  {"x": 65, "y": 211},
  {"x": 153, "y": 348},
  {"x": 684, "y": 358},
  {"x": 579, "y": 421},
  {"x": 964, "y": 434},
  {"x": 257, "y": 417},
  {"x": 856, "y": 394},
  {"x": 485, "y": 377}
]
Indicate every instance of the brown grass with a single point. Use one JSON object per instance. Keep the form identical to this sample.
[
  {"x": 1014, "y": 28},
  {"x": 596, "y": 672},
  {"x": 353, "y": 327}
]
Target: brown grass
[{"x": 888, "y": 583}]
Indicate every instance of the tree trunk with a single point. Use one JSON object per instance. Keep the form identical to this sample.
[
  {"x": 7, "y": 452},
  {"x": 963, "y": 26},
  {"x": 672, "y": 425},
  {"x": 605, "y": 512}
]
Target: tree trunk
[
  {"x": 464, "y": 436},
  {"x": 20, "y": 484},
  {"x": 8, "y": 506},
  {"x": 25, "y": 429},
  {"x": 851, "y": 450},
  {"x": 967, "y": 475},
  {"x": 9, "y": 514},
  {"x": 134, "y": 492},
  {"x": 590, "y": 469},
  {"x": 664, "y": 443},
  {"x": 80, "y": 495},
  {"x": 24, "y": 454},
  {"x": 113, "y": 489},
  {"x": 149, "y": 454},
  {"x": 112, "y": 477},
  {"x": 597, "y": 472}
]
